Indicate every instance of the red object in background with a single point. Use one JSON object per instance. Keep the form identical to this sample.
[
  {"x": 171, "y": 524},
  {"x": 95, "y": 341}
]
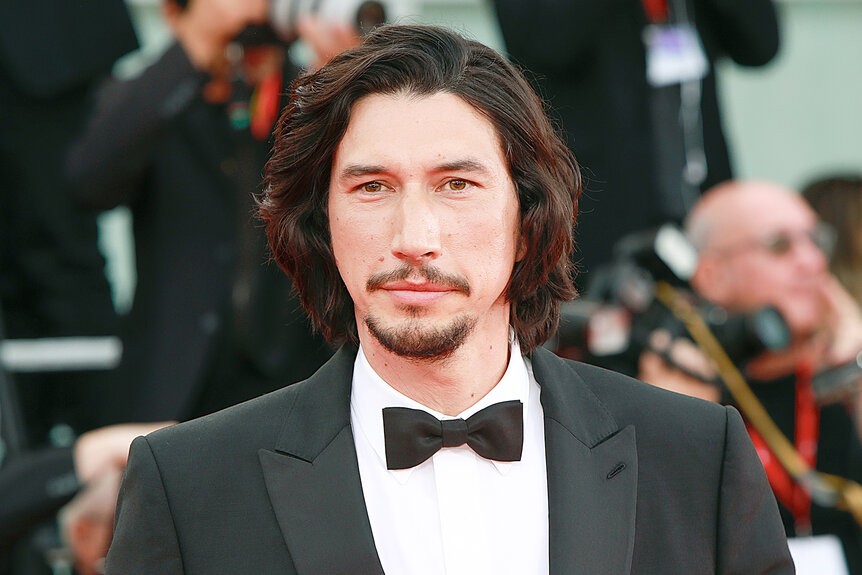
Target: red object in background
[
  {"x": 807, "y": 430},
  {"x": 266, "y": 103},
  {"x": 656, "y": 11}
]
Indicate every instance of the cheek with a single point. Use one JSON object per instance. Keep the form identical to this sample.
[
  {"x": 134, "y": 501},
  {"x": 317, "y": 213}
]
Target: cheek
[
  {"x": 350, "y": 243},
  {"x": 490, "y": 249},
  {"x": 491, "y": 236}
]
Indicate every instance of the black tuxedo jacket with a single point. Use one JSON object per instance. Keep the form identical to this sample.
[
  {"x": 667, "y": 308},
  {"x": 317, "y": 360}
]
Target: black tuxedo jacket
[{"x": 640, "y": 480}]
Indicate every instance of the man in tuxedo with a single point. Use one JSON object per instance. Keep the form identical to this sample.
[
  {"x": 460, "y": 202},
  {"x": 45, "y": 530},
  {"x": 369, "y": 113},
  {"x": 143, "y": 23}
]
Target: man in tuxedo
[{"x": 423, "y": 204}]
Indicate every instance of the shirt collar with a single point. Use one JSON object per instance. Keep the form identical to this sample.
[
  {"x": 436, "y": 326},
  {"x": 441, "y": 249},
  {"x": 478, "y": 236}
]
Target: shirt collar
[{"x": 370, "y": 394}]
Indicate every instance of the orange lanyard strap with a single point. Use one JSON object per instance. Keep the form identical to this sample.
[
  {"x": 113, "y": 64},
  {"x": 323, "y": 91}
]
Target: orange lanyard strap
[
  {"x": 806, "y": 433},
  {"x": 265, "y": 104}
]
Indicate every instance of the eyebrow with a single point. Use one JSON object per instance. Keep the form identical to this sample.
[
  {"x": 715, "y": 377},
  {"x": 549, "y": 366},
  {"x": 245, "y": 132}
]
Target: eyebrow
[
  {"x": 359, "y": 170},
  {"x": 465, "y": 165}
]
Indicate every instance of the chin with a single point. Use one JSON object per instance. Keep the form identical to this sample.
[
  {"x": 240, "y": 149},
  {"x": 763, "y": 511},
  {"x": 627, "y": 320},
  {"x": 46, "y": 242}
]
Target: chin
[{"x": 420, "y": 339}]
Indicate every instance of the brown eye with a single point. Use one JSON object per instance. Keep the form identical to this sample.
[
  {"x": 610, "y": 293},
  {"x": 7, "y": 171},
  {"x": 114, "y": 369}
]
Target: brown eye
[
  {"x": 372, "y": 187},
  {"x": 457, "y": 185}
]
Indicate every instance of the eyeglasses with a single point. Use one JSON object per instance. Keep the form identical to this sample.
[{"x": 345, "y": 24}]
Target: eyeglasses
[{"x": 823, "y": 236}]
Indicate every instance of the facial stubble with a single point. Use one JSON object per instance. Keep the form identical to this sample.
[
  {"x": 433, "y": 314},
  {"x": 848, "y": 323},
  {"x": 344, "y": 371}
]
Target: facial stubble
[{"x": 415, "y": 338}]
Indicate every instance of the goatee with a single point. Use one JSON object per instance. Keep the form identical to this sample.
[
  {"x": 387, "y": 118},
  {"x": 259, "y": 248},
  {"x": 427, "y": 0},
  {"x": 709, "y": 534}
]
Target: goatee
[{"x": 417, "y": 340}]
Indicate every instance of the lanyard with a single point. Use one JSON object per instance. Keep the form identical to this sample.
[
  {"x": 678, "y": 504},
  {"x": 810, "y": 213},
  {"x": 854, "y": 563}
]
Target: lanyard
[
  {"x": 806, "y": 432},
  {"x": 265, "y": 105}
]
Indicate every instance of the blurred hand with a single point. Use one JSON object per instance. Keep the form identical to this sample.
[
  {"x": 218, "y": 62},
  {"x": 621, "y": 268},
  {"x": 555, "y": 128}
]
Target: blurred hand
[
  {"x": 653, "y": 369},
  {"x": 205, "y": 27},
  {"x": 843, "y": 324},
  {"x": 325, "y": 38},
  {"x": 102, "y": 450},
  {"x": 87, "y": 522}
]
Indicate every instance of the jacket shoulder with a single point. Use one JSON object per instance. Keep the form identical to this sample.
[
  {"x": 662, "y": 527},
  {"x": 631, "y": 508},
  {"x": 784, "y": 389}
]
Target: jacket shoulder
[{"x": 627, "y": 401}]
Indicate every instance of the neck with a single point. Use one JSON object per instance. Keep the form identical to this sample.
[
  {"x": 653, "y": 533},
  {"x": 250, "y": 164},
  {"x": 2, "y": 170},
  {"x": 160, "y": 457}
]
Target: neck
[{"x": 450, "y": 385}]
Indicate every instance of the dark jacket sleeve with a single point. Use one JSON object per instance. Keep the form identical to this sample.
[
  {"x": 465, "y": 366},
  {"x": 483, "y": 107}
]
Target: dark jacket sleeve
[
  {"x": 751, "y": 538},
  {"x": 745, "y": 30},
  {"x": 32, "y": 487},
  {"x": 105, "y": 166},
  {"x": 145, "y": 540},
  {"x": 552, "y": 34}
]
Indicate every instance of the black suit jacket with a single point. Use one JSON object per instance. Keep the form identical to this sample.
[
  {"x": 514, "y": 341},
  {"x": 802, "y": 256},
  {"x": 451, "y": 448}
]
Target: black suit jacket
[
  {"x": 155, "y": 145},
  {"x": 640, "y": 480}
]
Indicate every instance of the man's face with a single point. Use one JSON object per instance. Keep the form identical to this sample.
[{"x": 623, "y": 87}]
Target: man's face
[
  {"x": 767, "y": 256},
  {"x": 424, "y": 222}
]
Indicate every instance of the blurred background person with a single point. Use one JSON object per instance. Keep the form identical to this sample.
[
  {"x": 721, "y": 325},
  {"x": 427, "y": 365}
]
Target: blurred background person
[
  {"x": 184, "y": 144},
  {"x": 837, "y": 200},
  {"x": 52, "y": 281},
  {"x": 35, "y": 484},
  {"x": 633, "y": 83},
  {"x": 760, "y": 244}
]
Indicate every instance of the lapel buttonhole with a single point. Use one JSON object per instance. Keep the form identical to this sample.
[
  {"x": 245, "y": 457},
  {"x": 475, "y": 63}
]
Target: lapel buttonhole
[{"x": 616, "y": 470}]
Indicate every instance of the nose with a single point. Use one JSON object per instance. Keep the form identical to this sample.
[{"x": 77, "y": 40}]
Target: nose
[{"x": 417, "y": 229}]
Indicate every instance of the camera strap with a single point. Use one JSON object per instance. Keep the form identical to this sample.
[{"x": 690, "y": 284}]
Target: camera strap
[{"x": 824, "y": 489}]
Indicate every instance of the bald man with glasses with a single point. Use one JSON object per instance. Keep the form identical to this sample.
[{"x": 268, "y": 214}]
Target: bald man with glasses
[{"x": 760, "y": 244}]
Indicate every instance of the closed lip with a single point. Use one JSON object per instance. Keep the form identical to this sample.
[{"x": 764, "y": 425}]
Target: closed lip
[
  {"x": 418, "y": 287},
  {"x": 408, "y": 293}
]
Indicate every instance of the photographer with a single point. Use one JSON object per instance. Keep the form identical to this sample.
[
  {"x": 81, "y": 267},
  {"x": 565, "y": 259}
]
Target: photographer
[
  {"x": 183, "y": 145},
  {"x": 760, "y": 244}
]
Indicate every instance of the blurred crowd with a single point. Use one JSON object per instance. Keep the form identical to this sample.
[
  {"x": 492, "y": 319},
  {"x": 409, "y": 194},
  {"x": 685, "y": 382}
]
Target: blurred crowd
[{"x": 182, "y": 145}]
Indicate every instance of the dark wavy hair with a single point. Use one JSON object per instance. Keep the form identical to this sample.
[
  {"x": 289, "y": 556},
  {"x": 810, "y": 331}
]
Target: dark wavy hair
[{"x": 420, "y": 60}]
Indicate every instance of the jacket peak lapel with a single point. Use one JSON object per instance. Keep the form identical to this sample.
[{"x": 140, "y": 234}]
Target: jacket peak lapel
[
  {"x": 592, "y": 496},
  {"x": 312, "y": 478},
  {"x": 592, "y": 475}
]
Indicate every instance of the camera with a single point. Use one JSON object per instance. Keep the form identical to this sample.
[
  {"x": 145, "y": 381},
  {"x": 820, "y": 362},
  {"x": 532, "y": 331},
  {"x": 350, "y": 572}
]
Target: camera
[
  {"x": 611, "y": 324},
  {"x": 364, "y": 15}
]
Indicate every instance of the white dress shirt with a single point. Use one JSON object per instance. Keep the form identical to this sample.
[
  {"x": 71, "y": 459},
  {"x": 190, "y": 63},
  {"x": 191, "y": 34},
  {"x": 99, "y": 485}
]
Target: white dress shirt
[{"x": 456, "y": 513}]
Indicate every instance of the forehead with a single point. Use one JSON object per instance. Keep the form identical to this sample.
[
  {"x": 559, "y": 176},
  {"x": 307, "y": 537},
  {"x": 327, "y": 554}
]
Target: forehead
[
  {"x": 401, "y": 130},
  {"x": 756, "y": 213}
]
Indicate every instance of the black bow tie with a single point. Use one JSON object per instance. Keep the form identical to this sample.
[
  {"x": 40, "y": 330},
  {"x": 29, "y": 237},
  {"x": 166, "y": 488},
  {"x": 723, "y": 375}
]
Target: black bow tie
[{"x": 413, "y": 435}]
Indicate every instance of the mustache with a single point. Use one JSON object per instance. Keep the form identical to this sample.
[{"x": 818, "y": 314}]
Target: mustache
[{"x": 430, "y": 273}]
